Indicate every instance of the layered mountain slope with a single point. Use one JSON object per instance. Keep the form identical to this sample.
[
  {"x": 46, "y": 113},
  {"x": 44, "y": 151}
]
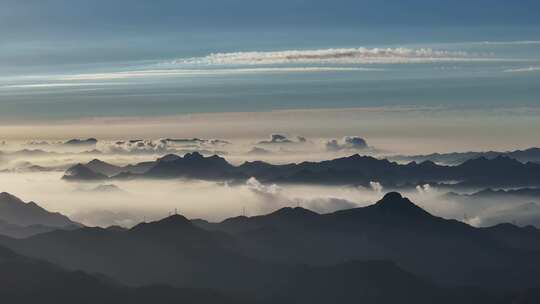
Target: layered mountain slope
[{"x": 358, "y": 170}]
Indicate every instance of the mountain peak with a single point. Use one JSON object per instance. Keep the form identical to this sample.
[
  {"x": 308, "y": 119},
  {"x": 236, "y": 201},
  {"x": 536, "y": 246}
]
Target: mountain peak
[
  {"x": 193, "y": 156},
  {"x": 500, "y": 159},
  {"x": 394, "y": 202},
  {"x": 175, "y": 219},
  {"x": 391, "y": 196},
  {"x": 4, "y": 196},
  {"x": 296, "y": 212},
  {"x": 82, "y": 172},
  {"x": 168, "y": 158},
  {"x": 96, "y": 161},
  {"x": 170, "y": 224}
]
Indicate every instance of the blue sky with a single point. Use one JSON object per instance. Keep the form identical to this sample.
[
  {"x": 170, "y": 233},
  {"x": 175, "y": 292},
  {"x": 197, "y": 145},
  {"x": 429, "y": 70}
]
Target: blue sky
[
  {"x": 58, "y": 17},
  {"x": 74, "y": 59}
]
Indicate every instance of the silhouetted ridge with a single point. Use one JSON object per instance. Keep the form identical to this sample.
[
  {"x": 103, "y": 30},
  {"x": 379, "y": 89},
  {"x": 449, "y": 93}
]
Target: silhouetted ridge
[
  {"x": 6, "y": 254},
  {"x": 9, "y": 198},
  {"x": 287, "y": 254},
  {"x": 102, "y": 167},
  {"x": 81, "y": 142},
  {"x": 496, "y": 164},
  {"x": 194, "y": 165},
  {"x": 194, "y": 156},
  {"x": 82, "y": 172},
  {"x": 391, "y": 196},
  {"x": 168, "y": 157},
  {"x": 96, "y": 161},
  {"x": 394, "y": 202},
  {"x": 293, "y": 212},
  {"x": 28, "y": 281},
  {"x": 15, "y": 211},
  {"x": 456, "y": 158},
  {"x": 172, "y": 223},
  {"x": 500, "y": 171}
]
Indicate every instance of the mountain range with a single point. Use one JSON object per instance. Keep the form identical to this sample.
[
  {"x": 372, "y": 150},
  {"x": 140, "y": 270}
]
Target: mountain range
[
  {"x": 21, "y": 219},
  {"x": 28, "y": 281},
  {"x": 382, "y": 253},
  {"x": 456, "y": 158},
  {"x": 482, "y": 172}
]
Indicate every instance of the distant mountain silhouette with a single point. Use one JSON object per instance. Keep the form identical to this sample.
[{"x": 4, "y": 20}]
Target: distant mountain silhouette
[
  {"x": 81, "y": 172},
  {"x": 499, "y": 194},
  {"x": 164, "y": 255},
  {"x": 520, "y": 206},
  {"x": 19, "y": 219},
  {"x": 261, "y": 255},
  {"x": 14, "y": 210},
  {"x": 107, "y": 169},
  {"x": 358, "y": 170},
  {"x": 25, "y": 280},
  {"x": 108, "y": 188},
  {"x": 194, "y": 165},
  {"x": 16, "y": 231},
  {"x": 394, "y": 229},
  {"x": 456, "y": 158},
  {"x": 29, "y": 281},
  {"x": 102, "y": 167},
  {"x": 526, "y": 238},
  {"x": 81, "y": 142},
  {"x": 173, "y": 250},
  {"x": 520, "y": 214}
]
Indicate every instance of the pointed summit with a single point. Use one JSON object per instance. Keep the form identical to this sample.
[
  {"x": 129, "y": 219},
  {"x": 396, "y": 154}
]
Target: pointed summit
[
  {"x": 391, "y": 196},
  {"x": 96, "y": 161},
  {"x": 82, "y": 172},
  {"x": 168, "y": 158},
  {"x": 394, "y": 203},
  {"x": 15, "y": 211},
  {"x": 290, "y": 212},
  {"x": 171, "y": 224},
  {"x": 193, "y": 156},
  {"x": 102, "y": 167},
  {"x": 8, "y": 198}
]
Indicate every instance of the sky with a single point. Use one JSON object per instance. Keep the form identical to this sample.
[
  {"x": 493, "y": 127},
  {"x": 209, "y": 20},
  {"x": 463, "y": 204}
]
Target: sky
[
  {"x": 78, "y": 63},
  {"x": 408, "y": 77}
]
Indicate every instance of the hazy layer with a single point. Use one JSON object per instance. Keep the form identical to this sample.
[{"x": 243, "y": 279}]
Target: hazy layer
[
  {"x": 134, "y": 201},
  {"x": 408, "y": 130}
]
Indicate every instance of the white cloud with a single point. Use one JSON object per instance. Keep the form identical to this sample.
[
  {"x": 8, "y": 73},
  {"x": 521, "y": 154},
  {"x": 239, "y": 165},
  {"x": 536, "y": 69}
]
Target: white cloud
[
  {"x": 360, "y": 55},
  {"x": 347, "y": 143},
  {"x": 519, "y": 42},
  {"x": 276, "y": 197},
  {"x": 524, "y": 70},
  {"x": 376, "y": 186},
  {"x": 424, "y": 189},
  {"x": 194, "y": 72}
]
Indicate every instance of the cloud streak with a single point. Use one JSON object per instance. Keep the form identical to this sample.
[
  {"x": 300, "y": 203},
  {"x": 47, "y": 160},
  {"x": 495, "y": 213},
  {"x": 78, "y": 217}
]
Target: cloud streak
[
  {"x": 524, "y": 70},
  {"x": 160, "y": 73},
  {"x": 360, "y": 55}
]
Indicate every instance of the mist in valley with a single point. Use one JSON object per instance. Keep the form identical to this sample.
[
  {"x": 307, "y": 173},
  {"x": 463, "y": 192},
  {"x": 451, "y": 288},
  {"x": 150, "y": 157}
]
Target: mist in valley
[{"x": 128, "y": 202}]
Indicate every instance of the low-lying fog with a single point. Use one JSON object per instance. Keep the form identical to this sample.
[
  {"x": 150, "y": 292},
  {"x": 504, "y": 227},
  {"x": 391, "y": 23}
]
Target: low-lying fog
[
  {"x": 275, "y": 148},
  {"x": 32, "y": 170},
  {"x": 126, "y": 203}
]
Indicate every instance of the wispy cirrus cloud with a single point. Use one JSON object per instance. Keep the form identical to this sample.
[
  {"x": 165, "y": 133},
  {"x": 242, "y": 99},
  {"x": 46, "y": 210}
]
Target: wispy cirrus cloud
[
  {"x": 524, "y": 70},
  {"x": 359, "y": 55},
  {"x": 193, "y": 72},
  {"x": 159, "y": 71},
  {"x": 518, "y": 42}
]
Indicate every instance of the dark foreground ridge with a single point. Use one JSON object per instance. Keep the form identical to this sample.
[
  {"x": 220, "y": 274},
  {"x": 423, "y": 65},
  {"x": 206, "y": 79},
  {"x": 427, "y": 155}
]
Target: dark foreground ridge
[
  {"x": 383, "y": 253},
  {"x": 29, "y": 281}
]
